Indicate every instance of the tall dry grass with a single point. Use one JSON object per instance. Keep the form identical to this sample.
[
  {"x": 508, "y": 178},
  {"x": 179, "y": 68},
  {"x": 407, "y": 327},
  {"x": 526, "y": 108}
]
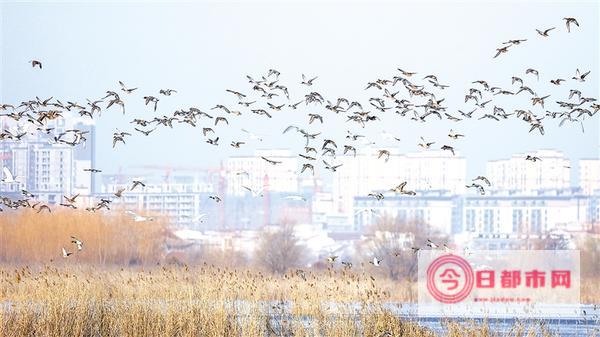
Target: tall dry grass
[
  {"x": 114, "y": 287},
  {"x": 204, "y": 301},
  {"x": 29, "y": 237}
]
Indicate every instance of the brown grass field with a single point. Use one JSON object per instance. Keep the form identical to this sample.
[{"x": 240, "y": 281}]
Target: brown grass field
[
  {"x": 120, "y": 285},
  {"x": 181, "y": 301}
]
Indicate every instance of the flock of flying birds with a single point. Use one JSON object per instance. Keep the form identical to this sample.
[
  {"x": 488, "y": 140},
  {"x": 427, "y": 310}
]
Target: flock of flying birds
[
  {"x": 404, "y": 94},
  {"x": 544, "y": 32}
]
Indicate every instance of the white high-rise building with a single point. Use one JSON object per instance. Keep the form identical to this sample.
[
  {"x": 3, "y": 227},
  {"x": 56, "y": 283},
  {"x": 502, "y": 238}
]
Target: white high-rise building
[
  {"x": 44, "y": 170},
  {"x": 437, "y": 210},
  {"x": 589, "y": 175},
  {"x": 427, "y": 170},
  {"x": 184, "y": 200},
  {"x": 254, "y": 172},
  {"x": 552, "y": 171},
  {"x": 535, "y": 214},
  {"x": 47, "y": 170}
]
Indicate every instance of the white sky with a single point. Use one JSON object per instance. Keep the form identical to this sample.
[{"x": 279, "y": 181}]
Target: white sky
[{"x": 201, "y": 49}]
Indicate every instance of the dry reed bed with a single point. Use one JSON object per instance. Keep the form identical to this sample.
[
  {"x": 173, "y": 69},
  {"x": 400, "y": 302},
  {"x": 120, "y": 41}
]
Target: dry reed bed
[
  {"x": 203, "y": 301},
  {"x": 28, "y": 237},
  {"x": 84, "y": 296}
]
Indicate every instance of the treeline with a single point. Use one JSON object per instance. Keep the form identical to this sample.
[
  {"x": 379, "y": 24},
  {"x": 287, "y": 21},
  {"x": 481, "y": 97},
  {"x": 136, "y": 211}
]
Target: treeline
[{"x": 116, "y": 239}]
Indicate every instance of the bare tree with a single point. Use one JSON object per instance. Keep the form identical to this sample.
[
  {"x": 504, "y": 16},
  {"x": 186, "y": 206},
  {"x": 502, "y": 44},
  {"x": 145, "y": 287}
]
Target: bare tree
[
  {"x": 590, "y": 255},
  {"x": 280, "y": 249},
  {"x": 552, "y": 241},
  {"x": 392, "y": 239}
]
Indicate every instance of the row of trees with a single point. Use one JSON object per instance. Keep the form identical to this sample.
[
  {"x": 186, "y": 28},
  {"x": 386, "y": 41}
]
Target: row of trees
[
  {"x": 391, "y": 240},
  {"x": 29, "y": 237}
]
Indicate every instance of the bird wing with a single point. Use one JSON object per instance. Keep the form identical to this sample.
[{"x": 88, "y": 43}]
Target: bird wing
[
  {"x": 360, "y": 211},
  {"x": 8, "y": 174},
  {"x": 291, "y": 127}
]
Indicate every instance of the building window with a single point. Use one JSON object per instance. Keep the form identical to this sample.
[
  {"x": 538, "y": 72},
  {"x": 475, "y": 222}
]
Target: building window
[
  {"x": 536, "y": 221},
  {"x": 470, "y": 220},
  {"x": 488, "y": 221},
  {"x": 517, "y": 220}
]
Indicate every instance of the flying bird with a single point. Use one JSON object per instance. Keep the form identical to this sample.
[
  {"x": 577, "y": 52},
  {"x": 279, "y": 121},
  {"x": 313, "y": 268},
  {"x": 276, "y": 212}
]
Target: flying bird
[
  {"x": 270, "y": 161},
  {"x": 502, "y": 50},
  {"x": 376, "y": 262},
  {"x": 515, "y": 42},
  {"x": 255, "y": 192},
  {"x": 400, "y": 189},
  {"x": 383, "y": 153},
  {"x": 307, "y": 81},
  {"x": 484, "y": 179},
  {"x": 137, "y": 183},
  {"x": 119, "y": 137},
  {"x": 166, "y": 92},
  {"x": 66, "y": 254},
  {"x": 237, "y": 93},
  {"x": 119, "y": 192},
  {"x": 569, "y": 21},
  {"x": 545, "y": 32},
  {"x": 579, "y": 76},
  {"x": 425, "y": 144},
  {"x": 448, "y": 148},
  {"x": 144, "y": 132},
  {"x": 532, "y": 158},
  {"x": 214, "y": 142},
  {"x": 332, "y": 168},
  {"x": 44, "y": 207},
  {"x": 8, "y": 176},
  {"x": 307, "y": 166},
  {"x": 219, "y": 119},
  {"x": 127, "y": 90},
  {"x": 139, "y": 218},
  {"x": 36, "y": 63},
  {"x": 314, "y": 117},
  {"x": 454, "y": 135},
  {"x": 431, "y": 244},
  {"x": 377, "y": 195},
  {"x": 533, "y": 71},
  {"x": 479, "y": 188},
  {"x": 71, "y": 200},
  {"x": 77, "y": 242},
  {"x": 151, "y": 99}
]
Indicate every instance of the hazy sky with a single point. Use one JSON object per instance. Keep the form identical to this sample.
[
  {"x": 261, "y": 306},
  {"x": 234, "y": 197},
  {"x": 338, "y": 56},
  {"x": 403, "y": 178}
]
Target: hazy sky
[{"x": 201, "y": 49}]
